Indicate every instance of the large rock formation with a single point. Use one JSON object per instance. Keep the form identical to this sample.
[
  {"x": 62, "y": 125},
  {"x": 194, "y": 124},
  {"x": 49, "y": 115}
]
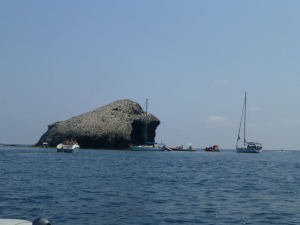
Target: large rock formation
[{"x": 114, "y": 126}]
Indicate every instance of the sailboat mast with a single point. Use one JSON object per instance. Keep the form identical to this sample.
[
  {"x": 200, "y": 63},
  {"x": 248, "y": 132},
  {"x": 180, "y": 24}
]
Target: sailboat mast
[
  {"x": 146, "y": 123},
  {"x": 245, "y": 102}
]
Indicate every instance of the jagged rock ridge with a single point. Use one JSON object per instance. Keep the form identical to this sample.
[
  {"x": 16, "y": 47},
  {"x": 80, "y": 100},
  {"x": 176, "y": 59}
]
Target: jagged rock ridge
[{"x": 114, "y": 126}]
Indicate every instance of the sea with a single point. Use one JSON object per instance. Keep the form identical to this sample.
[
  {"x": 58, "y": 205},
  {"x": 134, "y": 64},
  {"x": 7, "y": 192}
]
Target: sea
[{"x": 122, "y": 187}]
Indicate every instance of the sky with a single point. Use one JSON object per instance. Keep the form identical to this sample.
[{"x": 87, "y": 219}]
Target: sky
[{"x": 193, "y": 60}]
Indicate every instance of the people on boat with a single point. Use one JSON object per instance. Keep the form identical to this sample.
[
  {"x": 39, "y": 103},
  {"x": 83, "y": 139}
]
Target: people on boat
[
  {"x": 69, "y": 142},
  {"x": 214, "y": 148}
]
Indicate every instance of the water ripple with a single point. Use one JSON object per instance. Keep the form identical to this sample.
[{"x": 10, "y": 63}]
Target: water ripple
[{"x": 125, "y": 187}]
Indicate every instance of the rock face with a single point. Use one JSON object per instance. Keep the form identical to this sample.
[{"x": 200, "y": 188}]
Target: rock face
[{"x": 114, "y": 126}]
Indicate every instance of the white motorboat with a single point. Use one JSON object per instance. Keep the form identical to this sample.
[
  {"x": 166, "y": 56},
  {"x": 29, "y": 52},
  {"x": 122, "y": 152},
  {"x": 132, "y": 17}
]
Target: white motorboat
[
  {"x": 38, "y": 221},
  {"x": 246, "y": 147},
  {"x": 154, "y": 147},
  {"x": 68, "y": 146}
]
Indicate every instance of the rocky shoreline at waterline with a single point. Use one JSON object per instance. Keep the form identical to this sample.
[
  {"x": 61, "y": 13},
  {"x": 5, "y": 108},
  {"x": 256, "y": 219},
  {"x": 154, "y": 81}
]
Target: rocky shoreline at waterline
[{"x": 114, "y": 126}]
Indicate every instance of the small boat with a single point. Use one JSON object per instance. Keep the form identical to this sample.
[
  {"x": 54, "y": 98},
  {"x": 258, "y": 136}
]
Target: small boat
[
  {"x": 45, "y": 145},
  {"x": 189, "y": 148},
  {"x": 246, "y": 147},
  {"x": 38, "y": 221},
  {"x": 148, "y": 146},
  {"x": 214, "y": 148},
  {"x": 68, "y": 146},
  {"x": 177, "y": 148}
]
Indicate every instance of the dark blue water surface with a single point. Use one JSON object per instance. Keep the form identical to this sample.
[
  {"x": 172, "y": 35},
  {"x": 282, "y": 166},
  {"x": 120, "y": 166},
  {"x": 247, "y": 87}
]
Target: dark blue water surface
[{"x": 127, "y": 187}]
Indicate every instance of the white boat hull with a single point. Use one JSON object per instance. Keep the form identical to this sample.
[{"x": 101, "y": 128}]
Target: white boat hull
[
  {"x": 247, "y": 149},
  {"x": 14, "y": 222},
  {"x": 148, "y": 148},
  {"x": 67, "y": 148},
  {"x": 37, "y": 221}
]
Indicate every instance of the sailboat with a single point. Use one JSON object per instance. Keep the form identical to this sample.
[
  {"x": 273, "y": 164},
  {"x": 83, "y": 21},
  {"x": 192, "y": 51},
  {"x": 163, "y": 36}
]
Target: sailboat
[
  {"x": 246, "y": 147},
  {"x": 148, "y": 146}
]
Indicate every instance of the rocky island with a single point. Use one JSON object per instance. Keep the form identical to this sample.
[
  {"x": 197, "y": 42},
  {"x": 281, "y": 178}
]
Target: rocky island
[{"x": 113, "y": 126}]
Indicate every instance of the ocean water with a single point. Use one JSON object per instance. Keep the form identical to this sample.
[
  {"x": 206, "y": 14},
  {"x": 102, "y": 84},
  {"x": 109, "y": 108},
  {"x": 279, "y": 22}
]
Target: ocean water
[{"x": 102, "y": 187}]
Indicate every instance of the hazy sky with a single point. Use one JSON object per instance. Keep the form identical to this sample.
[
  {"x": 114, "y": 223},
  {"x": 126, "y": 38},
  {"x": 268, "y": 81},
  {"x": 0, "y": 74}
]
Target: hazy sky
[{"x": 193, "y": 60}]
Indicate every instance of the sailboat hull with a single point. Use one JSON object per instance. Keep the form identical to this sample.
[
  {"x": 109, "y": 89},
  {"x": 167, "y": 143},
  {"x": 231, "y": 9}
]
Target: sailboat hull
[
  {"x": 148, "y": 148},
  {"x": 250, "y": 148}
]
